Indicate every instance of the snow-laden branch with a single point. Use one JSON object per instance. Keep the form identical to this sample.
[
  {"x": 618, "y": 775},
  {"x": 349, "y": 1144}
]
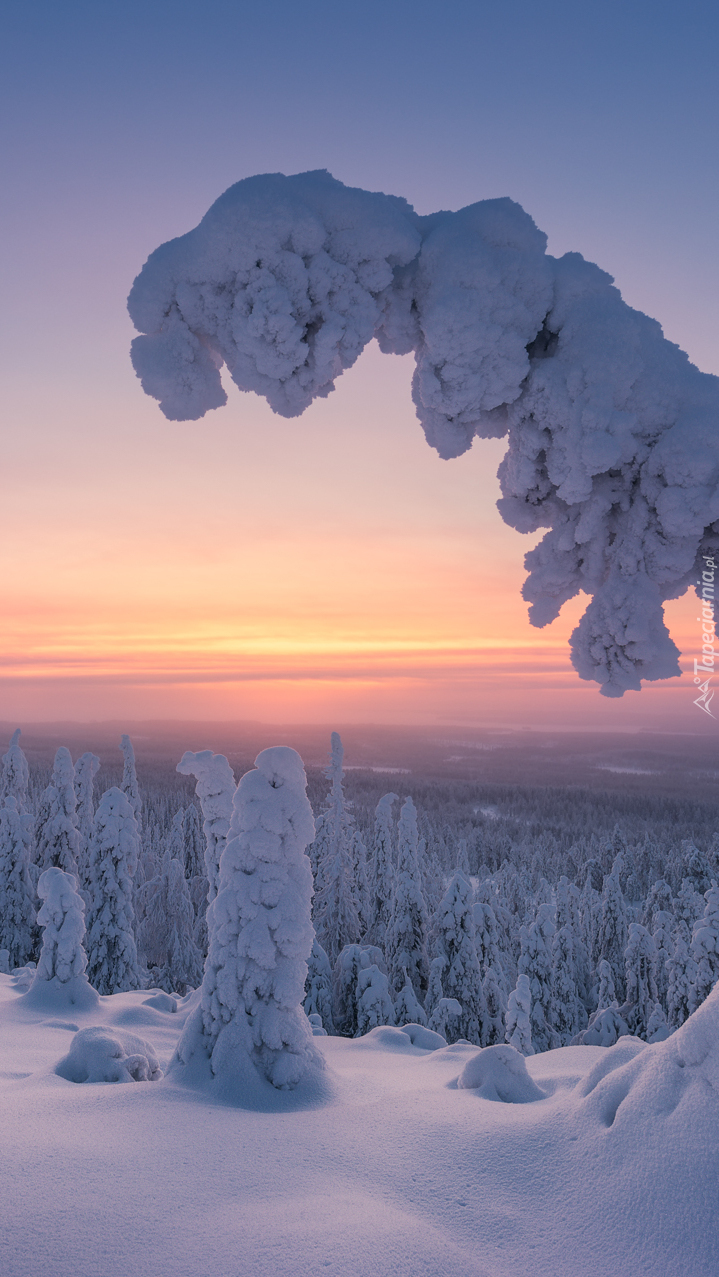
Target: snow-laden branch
[{"x": 613, "y": 440}]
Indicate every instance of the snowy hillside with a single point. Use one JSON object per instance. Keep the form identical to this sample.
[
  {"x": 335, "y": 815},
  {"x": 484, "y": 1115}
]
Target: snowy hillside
[{"x": 394, "y": 1170}]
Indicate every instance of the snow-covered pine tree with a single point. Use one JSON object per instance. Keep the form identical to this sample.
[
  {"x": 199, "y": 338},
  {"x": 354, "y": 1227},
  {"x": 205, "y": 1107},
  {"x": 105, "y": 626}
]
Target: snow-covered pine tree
[
  {"x": 338, "y": 907},
  {"x": 60, "y": 976},
  {"x": 445, "y": 1018},
  {"x": 345, "y": 977},
  {"x": 318, "y": 987},
  {"x": 535, "y": 961},
  {"x": 17, "y": 908},
  {"x": 518, "y": 1032},
  {"x": 406, "y": 948},
  {"x": 86, "y": 769},
  {"x": 486, "y": 939},
  {"x": 435, "y": 990},
  {"x": 15, "y": 774},
  {"x": 663, "y": 924},
  {"x": 112, "y": 953},
  {"x": 129, "y": 784},
  {"x": 374, "y": 1004},
  {"x": 606, "y": 992},
  {"x": 216, "y": 790},
  {"x": 640, "y": 983},
  {"x": 57, "y": 838},
  {"x": 705, "y": 948},
  {"x": 612, "y": 932},
  {"x": 496, "y": 1008},
  {"x": 251, "y": 1015},
  {"x": 382, "y": 869},
  {"x": 567, "y": 1016},
  {"x": 689, "y": 905},
  {"x": 194, "y": 843},
  {"x": 183, "y": 968},
  {"x": 659, "y": 896},
  {"x": 407, "y": 1009},
  {"x": 682, "y": 978},
  {"x": 453, "y": 937}
]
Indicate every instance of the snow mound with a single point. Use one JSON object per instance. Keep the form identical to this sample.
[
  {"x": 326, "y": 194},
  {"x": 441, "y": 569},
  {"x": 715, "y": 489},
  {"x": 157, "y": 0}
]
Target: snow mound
[
  {"x": 109, "y": 1055},
  {"x": 636, "y": 1082},
  {"x": 59, "y": 995},
  {"x": 162, "y": 1002},
  {"x": 500, "y": 1073},
  {"x": 424, "y": 1038}
]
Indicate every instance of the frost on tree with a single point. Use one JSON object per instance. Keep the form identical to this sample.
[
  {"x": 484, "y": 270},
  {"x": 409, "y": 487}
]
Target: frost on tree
[
  {"x": 250, "y": 1021},
  {"x": 215, "y": 789},
  {"x": 114, "y": 847},
  {"x": 382, "y": 869},
  {"x": 15, "y": 773},
  {"x": 374, "y": 1004},
  {"x": 337, "y": 857},
  {"x": 318, "y": 987},
  {"x": 60, "y": 978},
  {"x": 612, "y": 438},
  {"x": 518, "y": 1031},
  {"x": 129, "y": 784},
  {"x": 58, "y": 841},
  {"x": 407, "y": 935},
  {"x": 17, "y": 909},
  {"x": 407, "y": 1010},
  {"x": 86, "y": 769},
  {"x": 461, "y": 978}
]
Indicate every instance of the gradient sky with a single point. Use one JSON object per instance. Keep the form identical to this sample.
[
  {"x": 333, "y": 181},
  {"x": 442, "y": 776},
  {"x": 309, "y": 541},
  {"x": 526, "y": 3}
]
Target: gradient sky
[{"x": 329, "y": 567}]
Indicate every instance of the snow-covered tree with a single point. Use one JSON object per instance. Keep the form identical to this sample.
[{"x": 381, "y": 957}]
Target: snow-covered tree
[
  {"x": 57, "y": 839},
  {"x": 194, "y": 844},
  {"x": 345, "y": 978},
  {"x": 318, "y": 987},
  {"x": 435, "y": 990},
  {"x": 407, "y": 1009},
  {"x": 682, "y": 978},
  {"x": 129, "y": 784},
  {"x": 251, "y": 1014},
  {"x": 612, "y": 932},
  {"x": 566, "y": 1014},
  {"x": 705, "y": 948},
  {"x": 60, "y": 974},
  {"x": 406, "y": 947},
  {"x": 606, "y": 992},
  {"x": 662, "y": 928},
  {"x": 183, "y": 967},
  {"x": 453, "y": 935},
  {"x": 336, "y": 857},
  {"x": 15, "y": 774},
  {"x": 535, "y": 961},
  {"x": 382, "y": 869},
  {"x": 86, "y": 769},
  {"x": 640, "y": 983},
  {"x": 112, "y": 953},
  {"x": 17, "y": 909},
  {"x": 445, "y": 1017},
  {"x": 518, "y": 1031},
  {"x": 689, "y": 905},
  {"x": 496, "y": 1009},
  {"x": 374, "y": 1004},
  {"x": 660, "y": 897},
  {"x": 216, "y": 790}
]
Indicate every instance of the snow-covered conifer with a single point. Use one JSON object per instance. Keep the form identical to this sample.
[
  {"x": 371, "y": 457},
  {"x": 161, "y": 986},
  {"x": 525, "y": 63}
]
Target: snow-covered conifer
[
  {"x": 453, "y": 935},
  {"x": 640, "y": 983},
  {"x": 17, "y": 910},
  {"x": 129, "y": 784},
  {"x": 406, "y": 947},
  {"x": 112, "y": 953},
  {"x": 60, "y": 974},
  {"x": 57, "y": 838},
  {"x": 336, "y": 856},
  {"x": 216, "y": 790},
  {"x": 518, "y": 1031},
  {"x": 663, "y": 924},
  {"x": 659, "y": 896},
  {"x": 705, "y": 948},
  {"x": 374, "y": 1004},
  {"x": 251, "y": 1014},
  {"x": 345, "y": 977},
  {"x": 183, "y": 967},
  {"x": 435, "y": 990},
  {"x": 15, "y": 774},
  {"x": 566, "y": 1016},
  {"x": 657, "y": 1028},
  {"x": 86, "y": 769},
  {"x": 689, "y": 905},
  {"x": 407, "y": 1009},
  {"x": 612, "y": 931},
  {"x": 318, "y": 987},
  {"x": 606, "y": 993},
  {"x": 194, "y": 844},
  {"x": 445, "y": 1017},
  {"x": 682, "y": 978},
  {"x": 496, "y": 1004},
  {"x": 382, "y": 869},
  {"x": 535, "y": 961}
]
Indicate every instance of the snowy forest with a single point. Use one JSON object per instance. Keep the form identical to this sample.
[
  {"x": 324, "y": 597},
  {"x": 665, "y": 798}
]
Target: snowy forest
[{"x": 481, "y": 926}]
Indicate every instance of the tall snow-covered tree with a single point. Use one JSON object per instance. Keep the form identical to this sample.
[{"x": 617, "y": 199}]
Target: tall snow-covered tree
[
  {"x": 129, "y": 784},
  {"x": 566, "y": 1014},
  {"x": 57, "y": 839},
  {"x": 15, "y": 776},
  {"x": 445, "y": 1017},
  {"x": 682, "y": 978},
  {"x": 435, "y": 989},
  {"x": 194, "y": 843},
  {"x": 345, "y": 978},
  {"x": 453, "y": 935},
  {"x": 606, "y": 992},
  {"x": 251, "y": 1016},
  {"x": 86, "y": 769},
  {"x": 382, "y": 869},
  {"x": 640, "y": 984},
  {"x": 663, "y": 924},
  {"x": 112, "y": 953},
  {"x": 183, "y": 966},
  {"x": 216, "y": 790},
  {"x": 406, "y": 947},
  {"x": 407, "y": 1009},
  {"x": 336, "y": 857},
  {"x": 518, "y": 1031},
  {"x": 612, "y": 931},
  {"x": 535, "y": 961},
  {"x": 496, "y": 1004},
  {"x": 17, "y": 909},
  {"x": 705, "y": 948},
  {"x": 374, "y": 1004},
  {"x": 60, "y": 974},
  {"x": 318, "y": 987}
]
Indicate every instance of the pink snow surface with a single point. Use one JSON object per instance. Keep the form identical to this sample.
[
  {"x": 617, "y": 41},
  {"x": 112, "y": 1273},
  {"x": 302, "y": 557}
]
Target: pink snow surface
[{"x": 397, "y": 1172}]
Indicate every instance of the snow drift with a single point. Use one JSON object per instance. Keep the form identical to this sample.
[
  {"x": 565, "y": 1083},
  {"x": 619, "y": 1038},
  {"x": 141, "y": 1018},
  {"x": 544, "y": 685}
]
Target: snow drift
[
  {"x": 108, "y": 1055},
  {"x": 612, "y": 438}
]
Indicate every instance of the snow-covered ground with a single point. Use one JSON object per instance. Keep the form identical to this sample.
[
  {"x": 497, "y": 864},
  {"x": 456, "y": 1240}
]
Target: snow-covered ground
[{"x": 395, "y": 1170}]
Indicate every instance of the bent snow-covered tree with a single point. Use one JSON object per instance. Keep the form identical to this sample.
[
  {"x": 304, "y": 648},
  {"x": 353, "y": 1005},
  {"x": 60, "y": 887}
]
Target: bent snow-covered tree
[
  {"x": 251, "y": 1016},
  {"x": 612, "y": 438}
]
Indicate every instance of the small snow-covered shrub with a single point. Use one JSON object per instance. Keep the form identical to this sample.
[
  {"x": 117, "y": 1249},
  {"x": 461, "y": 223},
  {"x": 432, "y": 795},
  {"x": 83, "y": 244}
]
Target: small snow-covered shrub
[
  {"x": 109, "y": 1055},
  {"x": 500, "y": 1073}
]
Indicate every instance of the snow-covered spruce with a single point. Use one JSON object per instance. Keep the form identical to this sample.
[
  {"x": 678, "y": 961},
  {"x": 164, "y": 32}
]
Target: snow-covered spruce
[
  {"x": 17, "y": 909},
  {"x": 215, "y": 789},
  {"x": 250, "y": 1021},
  {"x": 114, "y": 847},
  {"x": 166, "y": 934},
  {"x": 345, "y": 981},
  {"x": 86, "y": 769},
  {"x": 407, "y": 1010},
  {"x": 453, "y": 936},
  {"x": 641, "y": 999},
  {"x": 374, "y": 1004},
  {"x": 382, "y": 869},
  {"x": 336, "y": 855},
  {"x": 612, "y": 445},
  {"x": 705, "y": 948},
  {"x": 129, "y": 784},
  {"x": 535, "y": 961},
  {"x": 57, "y": 839},
  {"x": 15, "y": 773},
  {"x": 318, "y": 987},
  {"x": 60, "y": 978},
  {"x": 406, "y": 947},
  {"x": 518, "y": 1030}
]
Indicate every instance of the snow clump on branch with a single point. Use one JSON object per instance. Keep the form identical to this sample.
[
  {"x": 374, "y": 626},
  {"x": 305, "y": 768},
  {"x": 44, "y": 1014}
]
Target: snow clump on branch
[{"x": 612, "y": 444}]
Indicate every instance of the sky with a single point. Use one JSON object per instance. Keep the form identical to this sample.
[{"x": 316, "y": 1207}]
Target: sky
[{"x": 330, "y": 567}]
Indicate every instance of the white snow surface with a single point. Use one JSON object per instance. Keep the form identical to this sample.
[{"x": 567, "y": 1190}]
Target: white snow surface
[
  {"x": 394, "y": 1171},
  {"x": 612, "y": 432}
]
